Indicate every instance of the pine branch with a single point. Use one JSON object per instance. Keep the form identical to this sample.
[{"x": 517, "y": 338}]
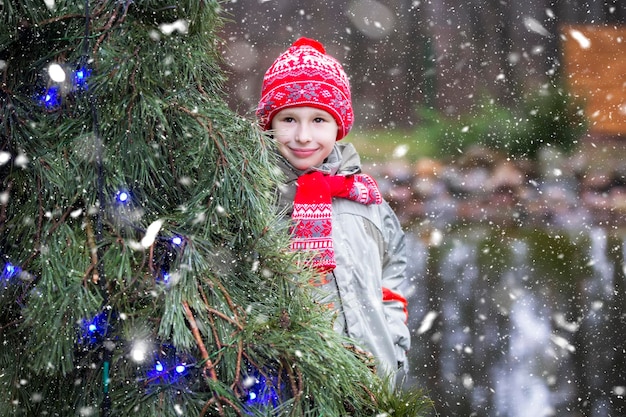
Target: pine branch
[
  {"x": 93, "y": 250},
  {"x": 113, "y": 18},
  {"x": 57, "y": 19},
  {"x": 206, "y": 124},
  {"x": 208, "y": 365}
]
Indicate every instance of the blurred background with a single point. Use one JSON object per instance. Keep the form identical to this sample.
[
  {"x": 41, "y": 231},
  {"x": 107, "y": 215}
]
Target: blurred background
[
  {"x": 405, "y": 54},
  {"x": 496, "y": 130}
]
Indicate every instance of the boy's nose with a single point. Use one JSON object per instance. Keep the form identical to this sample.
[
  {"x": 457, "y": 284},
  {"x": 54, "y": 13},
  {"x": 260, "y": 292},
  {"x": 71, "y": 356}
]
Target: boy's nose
[{"x": 303, "y": 133}]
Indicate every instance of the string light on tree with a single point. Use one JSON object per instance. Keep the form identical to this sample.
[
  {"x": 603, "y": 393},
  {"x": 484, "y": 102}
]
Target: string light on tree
[
  {"x": 51, "y": 98},
  {"x": 60, "y": 85},
  {"x": 261, "y": 391},
  {"x": 94, "y": 330},
  {"x": 57, "y": 73},
  {"x": 165, "y": 277},
  {"x": 122, "y": 196},
  {"x": 9, "y": 271},
  {"x": 139, "y": 351},
  {"x": 80, "y": 77},
  {"x": 168, "y": 367}
]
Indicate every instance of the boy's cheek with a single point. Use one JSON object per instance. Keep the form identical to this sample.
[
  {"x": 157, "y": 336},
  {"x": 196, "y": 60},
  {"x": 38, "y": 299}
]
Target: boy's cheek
[{"x": 282, "y": 149}]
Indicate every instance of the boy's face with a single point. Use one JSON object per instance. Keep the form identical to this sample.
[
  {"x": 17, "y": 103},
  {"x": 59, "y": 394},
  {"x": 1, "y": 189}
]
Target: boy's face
[{"x": 305, "y": 135}]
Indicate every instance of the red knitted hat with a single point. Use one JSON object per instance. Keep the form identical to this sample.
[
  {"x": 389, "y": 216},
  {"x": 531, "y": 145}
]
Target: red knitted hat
[{"x": 305, "y": 76}]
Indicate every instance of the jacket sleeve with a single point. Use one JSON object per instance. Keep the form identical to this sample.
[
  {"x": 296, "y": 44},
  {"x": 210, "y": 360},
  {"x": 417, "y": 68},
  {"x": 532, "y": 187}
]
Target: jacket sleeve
[{"x": 393, "y": 277}]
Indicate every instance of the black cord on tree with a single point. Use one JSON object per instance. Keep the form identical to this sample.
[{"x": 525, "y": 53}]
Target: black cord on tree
[{"x": 99, "y": 146}]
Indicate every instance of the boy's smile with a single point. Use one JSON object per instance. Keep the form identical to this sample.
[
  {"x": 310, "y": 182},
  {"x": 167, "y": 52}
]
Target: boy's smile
[{"x": 305, "y": 135}]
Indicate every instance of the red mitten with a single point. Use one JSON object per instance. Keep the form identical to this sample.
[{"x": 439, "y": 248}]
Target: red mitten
[{"x": 360, "y": 188}]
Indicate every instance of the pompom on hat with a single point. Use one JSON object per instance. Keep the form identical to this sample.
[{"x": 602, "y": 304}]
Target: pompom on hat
[{"x": 305, "y": 75}]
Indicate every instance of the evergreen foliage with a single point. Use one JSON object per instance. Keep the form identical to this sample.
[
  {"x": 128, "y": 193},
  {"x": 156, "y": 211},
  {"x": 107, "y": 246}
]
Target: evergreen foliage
[
  {"x": 102, "y": 312},
  {"x": 549, "y": 118}
]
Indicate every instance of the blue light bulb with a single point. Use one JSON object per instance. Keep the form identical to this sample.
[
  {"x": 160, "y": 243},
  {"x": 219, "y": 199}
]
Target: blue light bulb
[
  {"x": 159, "y": 367},
  {"x": 80, "y": 77},
  {"x": 122, "y": 196},
  {"x": 177, "y": 240},
  {"x": 180, "y": 368},
  {"x": 92, "y": 328},
  {"x": 50, "y": 98},
  {"x": 10, "y": 271}
]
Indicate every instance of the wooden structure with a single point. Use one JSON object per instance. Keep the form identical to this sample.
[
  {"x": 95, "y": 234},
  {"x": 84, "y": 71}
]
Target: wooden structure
[{"x": 595, "y": 68}]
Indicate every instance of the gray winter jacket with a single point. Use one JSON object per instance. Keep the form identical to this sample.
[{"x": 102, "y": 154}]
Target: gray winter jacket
[{"x": 370, "y": 255}]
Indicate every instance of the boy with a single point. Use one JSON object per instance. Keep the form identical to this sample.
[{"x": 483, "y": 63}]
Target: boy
[{"x": 338, "y": 212}]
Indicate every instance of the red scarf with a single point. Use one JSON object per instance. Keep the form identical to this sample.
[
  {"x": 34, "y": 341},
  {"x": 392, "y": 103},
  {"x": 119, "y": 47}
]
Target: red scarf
[{"x": 312, "y": 211}]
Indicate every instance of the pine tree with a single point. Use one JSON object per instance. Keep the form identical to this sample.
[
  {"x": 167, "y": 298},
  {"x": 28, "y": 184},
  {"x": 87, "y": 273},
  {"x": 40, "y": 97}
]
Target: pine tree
[{"x": 145, "y": 272}]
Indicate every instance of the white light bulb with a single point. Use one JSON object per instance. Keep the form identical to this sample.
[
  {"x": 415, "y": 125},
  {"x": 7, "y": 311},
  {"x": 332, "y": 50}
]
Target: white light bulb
[
  {"x": 138, "y": 352},
  {"x": 56, "y": 72}
]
